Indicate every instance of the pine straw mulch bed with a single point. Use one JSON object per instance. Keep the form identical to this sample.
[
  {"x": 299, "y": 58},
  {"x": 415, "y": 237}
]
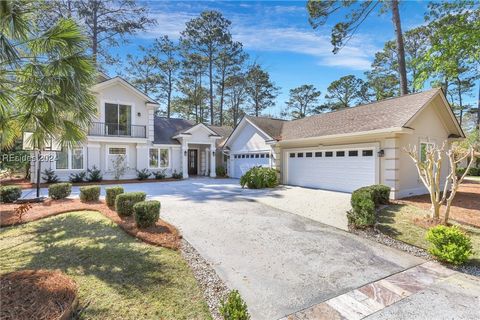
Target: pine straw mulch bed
[
  {"x": 37, "y": 294},
  {"x": 161, "y": 234},
  {"x": 465, "y": 207}
]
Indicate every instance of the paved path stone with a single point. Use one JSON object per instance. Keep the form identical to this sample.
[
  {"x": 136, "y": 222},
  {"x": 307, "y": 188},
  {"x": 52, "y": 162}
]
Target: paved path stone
[{"x": 375, "y": 296}]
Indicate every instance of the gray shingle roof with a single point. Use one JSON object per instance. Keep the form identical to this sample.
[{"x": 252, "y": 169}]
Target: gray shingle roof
[
  {"x": 272, "y": 127},
  {"x": 166, "y": 128},
  {"x": 388, "y": 113}
]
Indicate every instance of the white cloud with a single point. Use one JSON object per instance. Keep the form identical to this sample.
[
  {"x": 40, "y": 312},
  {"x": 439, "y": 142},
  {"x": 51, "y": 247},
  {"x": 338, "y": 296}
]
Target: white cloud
[
  {"x": 356, "y": 55},
  {"x": 258, "y": 36},
  {"x": 168, "y": 23}
]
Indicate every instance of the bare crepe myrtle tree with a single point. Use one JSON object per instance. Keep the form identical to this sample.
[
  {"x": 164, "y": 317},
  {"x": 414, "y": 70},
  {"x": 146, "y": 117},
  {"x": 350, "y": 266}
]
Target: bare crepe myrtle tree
[{"x": 430, "y": 168}]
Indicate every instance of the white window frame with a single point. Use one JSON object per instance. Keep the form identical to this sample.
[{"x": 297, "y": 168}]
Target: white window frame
[
  {"x": 107, "y": 154},
  {"x": 159, "y": 159},
  {"x": 69, "y": 160},
  {"x": 133, "y": 109},
  {"x": 427, "y": 143}
]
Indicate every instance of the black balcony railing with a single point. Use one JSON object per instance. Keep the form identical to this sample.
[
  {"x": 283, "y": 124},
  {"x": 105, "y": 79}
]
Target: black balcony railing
[{"x": 117, "y": 130}]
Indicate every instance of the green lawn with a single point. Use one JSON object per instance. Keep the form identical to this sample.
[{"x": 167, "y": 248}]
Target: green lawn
[
  {"x": 119, "y": 276},
  {"x": 397, "y": 222}
]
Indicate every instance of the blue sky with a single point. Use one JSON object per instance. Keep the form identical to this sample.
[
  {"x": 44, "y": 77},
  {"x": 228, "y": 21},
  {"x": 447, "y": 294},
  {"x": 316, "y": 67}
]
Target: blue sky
[{"x": 277, "y": 34}]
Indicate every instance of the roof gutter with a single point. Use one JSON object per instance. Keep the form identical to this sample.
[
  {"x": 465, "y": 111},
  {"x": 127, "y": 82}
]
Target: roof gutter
[{"x": 401, "y": 130}]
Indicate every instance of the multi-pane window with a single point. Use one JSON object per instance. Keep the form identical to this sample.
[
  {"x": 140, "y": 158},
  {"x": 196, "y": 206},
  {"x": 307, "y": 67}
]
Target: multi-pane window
[
  {"x": 77, "y": 158},
  {"x": 367, "y": 153},
  {"x": 164, "y": 158},
  {"x": 353, "y": 153},
  {"x": 292, "y": 155},
  {"x": 340, "y": 154},
  {"x": 329, "y": 154},
  {"x": 122, "y": 151},
  {"x": 318, "y": 154},
  {"x": 62, "y": 159},
  {"x": 308, "y": 154},
  {"x": 69, "y": 159},
  {"x": 153, "y": 156},
  {"x": 424, "y": 147},
  {"x": 159, "y": 158},
  {"x": 300, "y": 155}
]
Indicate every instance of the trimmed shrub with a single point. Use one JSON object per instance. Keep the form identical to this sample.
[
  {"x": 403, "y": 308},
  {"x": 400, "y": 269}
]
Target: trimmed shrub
[
  {"x": 176, "y": 175},
  {"x": 124, "y": 202},
  {"x": 143, "y": 174},
  {"x": 259, "y": 178},
  {"x": 449, "y": 244},
  {"x": 78, "y": 177},
  {"x": 234, "y": 308},
  {"x": 9, "y": 194},
  {"x": 381, "y": 194},
  {"x": 161, "y": 174},
  {"x": 474, "y": 172},
  {"x": 89, "y": 193},
  {"x": 146, "y": 213},
  {"x": 221, "y": 171},
  {"x": 363, "y": 209},
  {"x": 364, "y": 201},
  {"x": 60, "y": 190},
  {"x": 111, "y": 194},
  {"x": 49, "y": 176},
  {"x": 94, "y": 175}
]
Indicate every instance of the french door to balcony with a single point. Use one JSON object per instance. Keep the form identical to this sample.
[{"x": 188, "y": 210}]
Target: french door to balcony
[{"x": 118, "y": 119}]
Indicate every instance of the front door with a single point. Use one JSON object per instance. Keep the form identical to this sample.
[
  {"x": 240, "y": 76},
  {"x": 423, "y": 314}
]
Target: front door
[{"x": 192, "y": 162}]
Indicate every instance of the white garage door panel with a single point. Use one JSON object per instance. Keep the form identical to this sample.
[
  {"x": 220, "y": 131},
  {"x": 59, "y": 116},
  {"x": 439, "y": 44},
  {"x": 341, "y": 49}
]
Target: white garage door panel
[
  {"x": 332, "y": 173},
  {"x": 242, "y": 165}
]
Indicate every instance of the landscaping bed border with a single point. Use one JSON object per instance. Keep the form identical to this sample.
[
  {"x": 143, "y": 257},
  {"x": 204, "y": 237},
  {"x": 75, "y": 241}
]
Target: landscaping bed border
[
  {"x": 170, "y": 235},
  {"x": 376, "y": 235},
  {"x": 29, "y": 185},
  {"x": 214, "y": 289}
]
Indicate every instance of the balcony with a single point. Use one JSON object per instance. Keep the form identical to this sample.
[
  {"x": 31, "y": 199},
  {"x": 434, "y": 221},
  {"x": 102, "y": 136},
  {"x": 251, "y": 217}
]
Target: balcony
[{"x": 102, "y": 129}]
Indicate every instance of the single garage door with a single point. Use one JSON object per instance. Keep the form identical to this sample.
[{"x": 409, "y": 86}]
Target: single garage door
[
  {"x": 340, "y": 170},
  {"x": 243, "y": 162}
]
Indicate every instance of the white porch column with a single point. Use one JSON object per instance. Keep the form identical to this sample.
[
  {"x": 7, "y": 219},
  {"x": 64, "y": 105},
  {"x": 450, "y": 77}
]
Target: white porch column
[
  {"x": 184, "y": 156},
  {"x": 213, "y": 165},
  {"x": 207, "y": 161}
]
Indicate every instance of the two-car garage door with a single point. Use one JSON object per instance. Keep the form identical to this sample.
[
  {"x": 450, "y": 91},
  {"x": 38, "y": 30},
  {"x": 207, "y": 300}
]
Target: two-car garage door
[{"x": 341, "y": 170}]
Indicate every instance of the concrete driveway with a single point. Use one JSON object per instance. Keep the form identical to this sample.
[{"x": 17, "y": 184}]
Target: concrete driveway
[
  {"x": 279, "y": 261},
  {"x": 282, "y": 263}
]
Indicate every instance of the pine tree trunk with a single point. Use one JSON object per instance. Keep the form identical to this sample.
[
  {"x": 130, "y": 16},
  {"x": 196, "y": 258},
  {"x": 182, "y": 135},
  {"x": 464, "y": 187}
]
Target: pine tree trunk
[
  {"x": 211, "y": 88},
  {"x": 169, "y": 94},
  {"x": 478, "y": 109},
  {"x": 222, "y": 89},
  {"x": 402, "y": 70},
  {"x": 460, "y": 103}
]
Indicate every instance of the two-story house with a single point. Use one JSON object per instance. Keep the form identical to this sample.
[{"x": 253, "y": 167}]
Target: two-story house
[{"x": 126, "y": 132}]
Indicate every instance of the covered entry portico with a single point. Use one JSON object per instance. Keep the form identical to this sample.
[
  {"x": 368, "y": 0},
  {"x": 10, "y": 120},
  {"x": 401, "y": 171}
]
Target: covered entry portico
[{"x": 198, "y": 146}]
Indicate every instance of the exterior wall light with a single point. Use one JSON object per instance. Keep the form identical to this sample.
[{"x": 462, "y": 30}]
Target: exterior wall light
[
  {"x": 381, "y": 153},
  {"x": 185, "y": 153}
]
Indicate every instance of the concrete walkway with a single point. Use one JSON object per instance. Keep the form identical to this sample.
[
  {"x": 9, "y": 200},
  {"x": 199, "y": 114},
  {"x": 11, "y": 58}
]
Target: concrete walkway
[{"x": 427, "y": 291}]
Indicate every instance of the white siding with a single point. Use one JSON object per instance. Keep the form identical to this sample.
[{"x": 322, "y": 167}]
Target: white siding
[{"x": 427, "y": 126}]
